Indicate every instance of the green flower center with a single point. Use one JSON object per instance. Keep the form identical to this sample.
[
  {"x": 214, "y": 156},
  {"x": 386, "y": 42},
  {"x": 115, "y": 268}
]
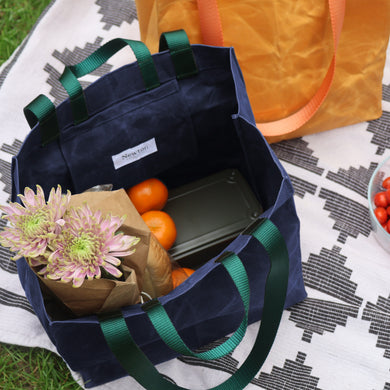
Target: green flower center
[
  {"x": 82, "y": 247},
  {"x": 35, "y": 224}
]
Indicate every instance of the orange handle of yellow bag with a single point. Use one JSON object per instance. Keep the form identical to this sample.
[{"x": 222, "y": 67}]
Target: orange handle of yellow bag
[
  {"x": 211, "y": 28},
  {"x": 210, "y": 22}
]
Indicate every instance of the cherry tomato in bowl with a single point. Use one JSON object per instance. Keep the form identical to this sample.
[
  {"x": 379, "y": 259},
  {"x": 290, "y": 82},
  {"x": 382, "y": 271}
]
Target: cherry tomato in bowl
[
  {"x": 380, "y": 199},
  {"x": 379, "y": 203},
  {"x": 381, "y": 215}
]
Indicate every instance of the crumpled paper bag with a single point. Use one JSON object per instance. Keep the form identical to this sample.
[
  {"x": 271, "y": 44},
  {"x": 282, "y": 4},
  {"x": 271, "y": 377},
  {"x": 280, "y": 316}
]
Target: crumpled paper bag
[{"x": 147, "y": 270}]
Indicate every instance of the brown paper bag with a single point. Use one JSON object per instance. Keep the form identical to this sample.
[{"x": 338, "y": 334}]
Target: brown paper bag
[
  {"x": 151, "y": 261},
  {"x": 118, "y": 203},
  {"x": 96, "y": 295},
  {"x": 148, "y": 269}
]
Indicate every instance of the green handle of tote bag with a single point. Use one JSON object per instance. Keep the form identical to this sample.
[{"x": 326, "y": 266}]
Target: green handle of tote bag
[
  {"x": 176, "y": 41},
  {"x": 167, "y": 331},
  {"x": 141, "y": 369},
  {"x": 71, "y": 73},
  {"x": 181, "y": 53},
  {"x": 42, "y": 110}
]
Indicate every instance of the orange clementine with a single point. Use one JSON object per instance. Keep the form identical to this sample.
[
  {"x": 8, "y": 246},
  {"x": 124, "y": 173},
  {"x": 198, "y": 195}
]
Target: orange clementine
[
  {"x": 151, "y": 194},
  {"x": 179, "y": 275},
  {"x": 162, "y": 226}
]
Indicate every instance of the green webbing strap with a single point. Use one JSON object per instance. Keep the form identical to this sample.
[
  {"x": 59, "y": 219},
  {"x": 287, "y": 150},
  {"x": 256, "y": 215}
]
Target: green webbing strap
[
  {"x": 141, "y": 369},
  {"x": 69, "y": 78},
  {"x": 42, "y": 110},
  {"x": 75, "y": 91},
  {"x": 181, "y": 53},
  {"x": 166, "y": 330}
]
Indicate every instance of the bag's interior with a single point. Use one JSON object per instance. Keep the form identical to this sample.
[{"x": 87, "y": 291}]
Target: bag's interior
[{"x": 178, "y": 132}]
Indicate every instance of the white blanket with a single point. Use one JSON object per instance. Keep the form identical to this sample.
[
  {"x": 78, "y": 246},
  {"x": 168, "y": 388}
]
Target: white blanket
[{"x": 339, "y": 337}]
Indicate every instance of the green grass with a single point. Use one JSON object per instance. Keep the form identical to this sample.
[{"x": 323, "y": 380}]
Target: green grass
[
  {"x": 16, "y": 19},
  {"x": 33, "y": 368},
  {"x": 27, "y": 368}
]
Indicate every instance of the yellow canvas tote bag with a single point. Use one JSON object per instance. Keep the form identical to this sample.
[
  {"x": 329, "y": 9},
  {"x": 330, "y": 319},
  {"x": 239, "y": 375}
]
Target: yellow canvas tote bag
[{"x": 309, "y": 65}]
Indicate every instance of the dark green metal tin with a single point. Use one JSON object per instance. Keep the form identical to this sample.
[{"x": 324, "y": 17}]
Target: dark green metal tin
[{"x": 210, "y": 213}]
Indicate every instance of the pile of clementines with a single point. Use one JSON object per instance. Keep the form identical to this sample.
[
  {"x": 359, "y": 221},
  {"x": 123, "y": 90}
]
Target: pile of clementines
[{"x": 149, "y": 198}]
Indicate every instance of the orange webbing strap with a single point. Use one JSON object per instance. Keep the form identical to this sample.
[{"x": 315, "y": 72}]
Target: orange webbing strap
[
  {"x": 210, "y": 22},
  {"x": 211, "y": 28}
]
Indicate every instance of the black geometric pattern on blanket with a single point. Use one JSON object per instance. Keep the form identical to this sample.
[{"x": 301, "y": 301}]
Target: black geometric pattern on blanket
[
  {"x": 319, "y": 316},
  {"x": 355, "y": 179},
  {"x": 379, "y": 316},
  {"x": 381, "y": 130},
  {"x": 294, "y": 375},
  {"x": 8, "y": 298},
  {"x": 301, "y": 187},
  {"x": 327, "y": 273},
  {"x": 351, "y": 218},
  {"x": 5, "y": 166},
  {"x": 296, "y": 152},
  {"x": 116, "y": 12},
  {"x": 5, "y": 175},
  {"x": 386, "y": 92},
  {"x": 387, "y": 386},
  {"x": 68, "y": 57}
]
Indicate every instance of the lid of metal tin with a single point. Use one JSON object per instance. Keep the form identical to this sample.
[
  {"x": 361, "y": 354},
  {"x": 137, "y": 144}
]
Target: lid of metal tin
[{"x": 209, "y": 211}]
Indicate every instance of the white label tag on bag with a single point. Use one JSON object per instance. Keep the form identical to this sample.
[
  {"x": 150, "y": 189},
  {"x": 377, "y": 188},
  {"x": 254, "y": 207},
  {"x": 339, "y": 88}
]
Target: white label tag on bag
[{"x": 135, "y": 153}]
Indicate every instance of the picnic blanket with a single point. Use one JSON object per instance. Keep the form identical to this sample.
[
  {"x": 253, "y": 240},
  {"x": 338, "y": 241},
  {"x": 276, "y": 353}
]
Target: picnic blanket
[{"x": 339, "y": 337}]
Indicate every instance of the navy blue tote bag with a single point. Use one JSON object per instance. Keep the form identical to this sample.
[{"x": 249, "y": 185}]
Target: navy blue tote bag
[{"x": 189, "y": 104}]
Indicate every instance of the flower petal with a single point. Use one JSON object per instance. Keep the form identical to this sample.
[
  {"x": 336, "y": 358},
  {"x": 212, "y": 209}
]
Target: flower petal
[
  {"x": 113, "y": 260},
  {"x": 112, "y": 270}
]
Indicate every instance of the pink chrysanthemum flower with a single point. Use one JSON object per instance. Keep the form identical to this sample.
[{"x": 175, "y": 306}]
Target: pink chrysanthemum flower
[
  {"x": 34, "y": 223},
  {"x": 86, "y": 243}
]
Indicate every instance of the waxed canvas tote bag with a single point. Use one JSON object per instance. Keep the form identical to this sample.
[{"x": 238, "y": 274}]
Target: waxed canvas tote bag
[
  {"x": 192, "y": 103},
  {"x": 308, "y": 65}
]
